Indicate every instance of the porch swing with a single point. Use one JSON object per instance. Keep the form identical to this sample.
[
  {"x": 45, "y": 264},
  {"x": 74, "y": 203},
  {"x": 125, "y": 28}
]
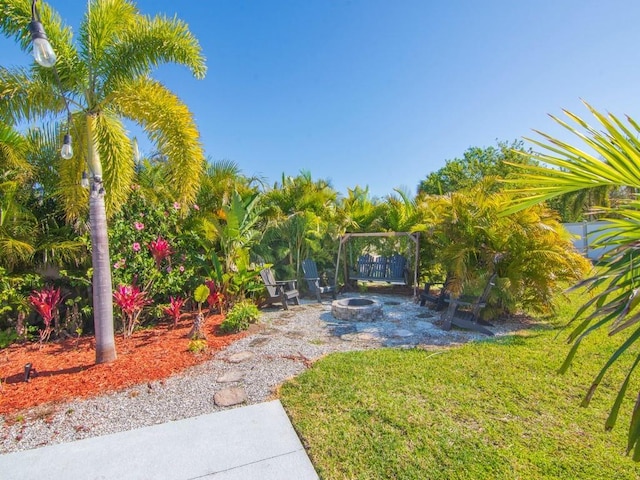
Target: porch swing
[{"x": 377, "y": 268}]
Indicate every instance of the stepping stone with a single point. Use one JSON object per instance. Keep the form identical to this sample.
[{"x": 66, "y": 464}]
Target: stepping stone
[
  {"x": 367, "y": 336},
  {"x": 402, "y": 333},
  {"x": 425, "y": 326},
  {"x": 294, "y": 335},
  {"x": 259, "y": 341},
  {"x": 230, "y": 376},
  {"x": 240, "y": 357},
  {"x": 230, "y": 396}
]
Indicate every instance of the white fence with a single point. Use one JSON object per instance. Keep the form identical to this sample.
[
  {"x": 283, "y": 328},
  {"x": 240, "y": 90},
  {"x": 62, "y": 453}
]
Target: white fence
[{"x": 584, "y": 237}]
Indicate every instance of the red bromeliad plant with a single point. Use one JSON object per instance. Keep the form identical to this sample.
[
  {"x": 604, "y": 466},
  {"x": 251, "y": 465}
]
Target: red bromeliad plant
[
  {"x": 160, "y": 249},
  {"x": 215, "y": 298},
  {"x": 131, "y": 301},
  {"x": 46, "y": 302},
  {"x": 173, "y": 310}
]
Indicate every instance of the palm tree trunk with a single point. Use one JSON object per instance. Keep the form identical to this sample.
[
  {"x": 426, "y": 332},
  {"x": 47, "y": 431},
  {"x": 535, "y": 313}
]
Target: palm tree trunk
[{"x": 102, "y": 287}]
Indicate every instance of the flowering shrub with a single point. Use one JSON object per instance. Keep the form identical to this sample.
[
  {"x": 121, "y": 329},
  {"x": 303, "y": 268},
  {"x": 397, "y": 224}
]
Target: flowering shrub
[
  {"x": 173, "y": 310},
  {"x": 148, "y": 248},
  {"x": 131, "y": 301},
  {"x": 46, "y": 302}
]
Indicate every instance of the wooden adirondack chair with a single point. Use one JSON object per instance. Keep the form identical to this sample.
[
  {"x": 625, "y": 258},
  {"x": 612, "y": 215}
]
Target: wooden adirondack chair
[
  {"x": 279, "y": 291},
  {"x": 314, "y": 282},
  {"x": 469, "y": 319}
]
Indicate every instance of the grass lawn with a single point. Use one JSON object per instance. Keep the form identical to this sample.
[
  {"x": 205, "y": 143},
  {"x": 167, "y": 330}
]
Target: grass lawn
[{"x": 496, "y": 409}]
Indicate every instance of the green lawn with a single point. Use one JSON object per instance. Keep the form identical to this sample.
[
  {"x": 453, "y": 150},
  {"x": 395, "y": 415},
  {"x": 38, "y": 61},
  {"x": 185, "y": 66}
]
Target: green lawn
[{"x": 495, "y": 409}]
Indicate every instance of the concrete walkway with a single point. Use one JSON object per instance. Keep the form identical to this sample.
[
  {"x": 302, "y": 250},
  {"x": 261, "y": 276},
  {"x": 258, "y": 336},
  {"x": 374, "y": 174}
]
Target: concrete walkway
[{"x": 254, "y": 442}]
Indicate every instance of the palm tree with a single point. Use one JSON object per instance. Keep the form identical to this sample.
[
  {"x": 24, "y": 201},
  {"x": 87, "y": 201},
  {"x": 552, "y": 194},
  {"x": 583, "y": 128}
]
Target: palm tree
[
  {"x": 98, "y": 82},
  {"x": 301, "y": 211},
  {"x": 222, "y": 178},
  {"x": 609, "y": 158}
]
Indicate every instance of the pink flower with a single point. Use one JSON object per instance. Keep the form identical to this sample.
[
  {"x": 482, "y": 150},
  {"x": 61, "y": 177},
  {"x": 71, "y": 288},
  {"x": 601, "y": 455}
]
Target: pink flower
[
  {"x": 136, "y": 247},
  {"x": 196, "y": 207},
  {"x": 160, "y": 250},
  {"x": 181, "y": 269},
  {"x": 139, "y": 226},
  {"x": 169, "y": 269},
  {"x": 116, "y": 265},
  {"x": 176, "y": 205}
]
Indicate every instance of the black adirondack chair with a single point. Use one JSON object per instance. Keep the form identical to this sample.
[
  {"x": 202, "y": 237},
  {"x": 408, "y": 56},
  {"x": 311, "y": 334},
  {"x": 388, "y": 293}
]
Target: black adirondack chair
[
  {"x": 315, "y": 283},
  {"x": 279, "y": 291}
]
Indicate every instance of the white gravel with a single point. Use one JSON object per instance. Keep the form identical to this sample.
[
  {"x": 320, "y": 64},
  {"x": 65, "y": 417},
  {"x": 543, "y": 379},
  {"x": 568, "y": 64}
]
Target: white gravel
[{"x": 285, "y": 346}]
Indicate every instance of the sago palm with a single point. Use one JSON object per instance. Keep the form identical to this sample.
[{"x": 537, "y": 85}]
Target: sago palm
[
  {"x": 608, "y": 156},
  {"x": 105, "y": 78}
]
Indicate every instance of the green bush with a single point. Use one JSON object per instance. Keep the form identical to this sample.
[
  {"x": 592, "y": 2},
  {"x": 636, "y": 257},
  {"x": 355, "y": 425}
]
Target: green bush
[{"x": 240, "y": 316}]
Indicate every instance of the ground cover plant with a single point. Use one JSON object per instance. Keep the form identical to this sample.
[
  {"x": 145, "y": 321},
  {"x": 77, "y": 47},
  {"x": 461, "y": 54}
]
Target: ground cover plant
[{"x": 494, "y": 409}]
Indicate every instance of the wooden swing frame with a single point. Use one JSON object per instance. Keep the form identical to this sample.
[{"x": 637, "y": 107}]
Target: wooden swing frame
[{"x": 344, "y": 239}]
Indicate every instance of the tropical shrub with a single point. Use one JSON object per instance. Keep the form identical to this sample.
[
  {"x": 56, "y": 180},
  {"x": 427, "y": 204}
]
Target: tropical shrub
[
  {"x": 46, "y": 302},
  {"x": 131, "y": 300},
  {"x": 241, "y": 315},
  {"x": 174, "y": 309},
  {"x": 14, "y": 303},
  {"x": 530, "y": 251}
]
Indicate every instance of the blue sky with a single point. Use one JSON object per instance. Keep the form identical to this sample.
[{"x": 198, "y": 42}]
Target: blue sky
[{"x": 383, "y": 92}]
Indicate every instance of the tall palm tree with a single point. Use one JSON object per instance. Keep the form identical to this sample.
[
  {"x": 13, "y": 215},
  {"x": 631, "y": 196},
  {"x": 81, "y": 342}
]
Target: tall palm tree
[
  {"x": 105, "y": 78},
  {"x": 609, "y": 156}
]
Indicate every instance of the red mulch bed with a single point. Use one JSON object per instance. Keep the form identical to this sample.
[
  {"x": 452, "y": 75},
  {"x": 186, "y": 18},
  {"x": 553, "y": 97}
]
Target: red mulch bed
[{"x": 65, "y": 370}]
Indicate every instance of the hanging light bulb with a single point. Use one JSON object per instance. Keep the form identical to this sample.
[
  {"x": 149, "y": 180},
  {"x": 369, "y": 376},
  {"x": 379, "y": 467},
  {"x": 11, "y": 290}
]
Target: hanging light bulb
[
  {"x": 42, "y": 51},
  {"x": 84, "y": 183},
  {"x": 67, "y": 151}
]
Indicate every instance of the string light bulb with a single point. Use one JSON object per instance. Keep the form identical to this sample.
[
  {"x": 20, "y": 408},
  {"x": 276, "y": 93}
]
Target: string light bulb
[
  {"x": 42, "y": 50},
  {"x": 67, "y": 150}
]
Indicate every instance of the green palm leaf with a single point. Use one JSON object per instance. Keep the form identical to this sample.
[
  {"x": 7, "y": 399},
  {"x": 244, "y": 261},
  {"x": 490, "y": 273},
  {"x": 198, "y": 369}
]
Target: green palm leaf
[{"x": 609, "y": 157}]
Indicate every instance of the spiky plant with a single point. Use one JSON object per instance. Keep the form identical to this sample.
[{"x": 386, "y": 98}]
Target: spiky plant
[{"x": 607, "y": 155}]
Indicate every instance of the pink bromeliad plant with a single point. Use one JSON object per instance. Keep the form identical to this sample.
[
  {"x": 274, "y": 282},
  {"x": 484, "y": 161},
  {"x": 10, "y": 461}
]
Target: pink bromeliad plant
[
  {"x": 160, "y": 249},
  {"x": 46, "y": 302},
  {"x": 174, "y": 309},
  {"x": 215, "y": 298},
  {"x": 131, "y": 300}
]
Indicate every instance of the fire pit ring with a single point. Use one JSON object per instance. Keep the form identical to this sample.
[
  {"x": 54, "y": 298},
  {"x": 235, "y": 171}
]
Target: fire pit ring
[{"x": 356, "y": 309}]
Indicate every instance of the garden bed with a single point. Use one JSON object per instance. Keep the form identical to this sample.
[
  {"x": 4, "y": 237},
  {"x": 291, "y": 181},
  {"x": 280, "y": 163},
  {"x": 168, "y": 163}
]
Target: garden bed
[{"x": 65, "y": 370}]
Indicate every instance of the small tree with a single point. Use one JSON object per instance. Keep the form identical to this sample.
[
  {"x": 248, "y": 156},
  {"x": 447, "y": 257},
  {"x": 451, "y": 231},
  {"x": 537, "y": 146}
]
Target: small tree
[{"x": 200, "y": 295}]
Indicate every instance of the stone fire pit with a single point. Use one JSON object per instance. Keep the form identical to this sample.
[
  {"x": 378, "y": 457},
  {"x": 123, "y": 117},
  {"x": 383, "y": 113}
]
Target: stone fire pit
[{"x": 356, "y": 309}]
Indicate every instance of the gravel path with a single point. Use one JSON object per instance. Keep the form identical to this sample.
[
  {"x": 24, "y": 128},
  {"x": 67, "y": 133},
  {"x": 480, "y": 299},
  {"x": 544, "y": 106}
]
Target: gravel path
[{"x": 284, "y": 346}]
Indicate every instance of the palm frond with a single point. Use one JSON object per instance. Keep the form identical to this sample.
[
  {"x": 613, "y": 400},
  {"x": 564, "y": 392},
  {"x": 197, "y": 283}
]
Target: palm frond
[
  {"x": 147, "y": 42},
  {"x": 116, "y": 153},
  {"x": 24, "y": 97},
  {"x": 170, "y": 125}
]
